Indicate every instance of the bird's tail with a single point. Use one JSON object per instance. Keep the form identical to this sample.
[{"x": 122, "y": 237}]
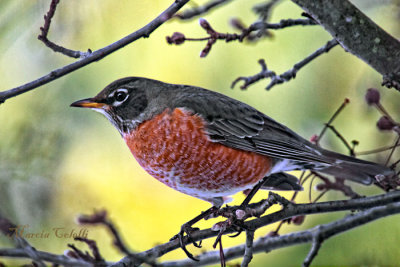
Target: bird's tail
[{"x": 357, "y": 170}]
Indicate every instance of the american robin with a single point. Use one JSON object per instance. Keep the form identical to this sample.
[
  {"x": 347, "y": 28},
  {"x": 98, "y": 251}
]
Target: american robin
[{"x": 211, "y": 146}]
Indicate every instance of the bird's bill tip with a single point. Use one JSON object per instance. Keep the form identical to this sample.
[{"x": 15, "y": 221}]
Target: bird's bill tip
[{"x": 88, "y": 103}]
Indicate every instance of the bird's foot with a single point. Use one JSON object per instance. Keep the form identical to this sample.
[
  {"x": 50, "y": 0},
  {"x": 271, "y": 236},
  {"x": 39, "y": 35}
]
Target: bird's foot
[{"x": 187, "y": 229}]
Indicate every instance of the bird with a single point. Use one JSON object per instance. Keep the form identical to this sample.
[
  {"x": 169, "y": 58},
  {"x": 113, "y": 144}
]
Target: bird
[{"x": 210, "y": 146}]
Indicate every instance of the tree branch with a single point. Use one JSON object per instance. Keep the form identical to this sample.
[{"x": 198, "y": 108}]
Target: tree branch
[
  {"x": 291, "y": 210},
  {"x": 45, "y": 256},
  {"x": 319, "y": 233},
  {"x": 97, "y": 55},
  {"x": 359, "y": 35},
  {"x": 286, "y": 76}
]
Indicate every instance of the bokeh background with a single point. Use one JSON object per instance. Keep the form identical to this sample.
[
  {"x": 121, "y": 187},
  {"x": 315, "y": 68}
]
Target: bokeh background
[{"x": 57, "y": 162}]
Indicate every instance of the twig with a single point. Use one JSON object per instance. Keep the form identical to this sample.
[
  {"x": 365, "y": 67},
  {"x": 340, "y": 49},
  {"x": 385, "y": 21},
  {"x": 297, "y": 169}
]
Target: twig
[
  {"x": 97, "y": 55},
  {"x": 264, "y": 10},
  {"x": 77, "y": 253},
  {"x": 100, "y": 217},
  {"x": 197, "y": 11},
  {"x": 341, "y": 138},
  {"x": 221, "y": 254},
  {"x": 286, "y": 76},
  {"x": 337, "y": 112},
  {"x": 9, "y": 229},
  {"x": 178, "y": 38},
  {"x": 93, "y": 247},
  {"x": 392, "y": 151},
  {"x": 248, "y": 251},
  {"x": 44, "y": 31},
  {"x": 338, "y": 185},
  {"x": 315, "y": 246},
  {"x": 48, "y": 257},
  {"x": 323, "y": 231},
  {"x": 292, "y": 210},
  {"x": 359, "y": 35}
]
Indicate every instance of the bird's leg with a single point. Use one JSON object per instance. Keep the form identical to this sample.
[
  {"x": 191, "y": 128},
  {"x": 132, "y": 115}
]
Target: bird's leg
[
  {"x": 253, "y": 191},
  {"x": 188, "y": 229}
]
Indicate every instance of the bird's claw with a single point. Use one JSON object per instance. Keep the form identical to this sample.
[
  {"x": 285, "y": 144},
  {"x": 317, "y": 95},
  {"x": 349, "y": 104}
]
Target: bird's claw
[{"x": 181, "y": 235}]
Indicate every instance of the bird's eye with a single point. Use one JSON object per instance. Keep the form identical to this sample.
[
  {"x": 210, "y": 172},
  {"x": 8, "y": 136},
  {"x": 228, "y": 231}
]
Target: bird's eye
[{"x": 119, "y": 96}]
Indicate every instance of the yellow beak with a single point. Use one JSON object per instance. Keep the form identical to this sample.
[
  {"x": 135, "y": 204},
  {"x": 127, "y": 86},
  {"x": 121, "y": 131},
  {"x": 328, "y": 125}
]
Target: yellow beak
[{"x": 88, "y": 103}]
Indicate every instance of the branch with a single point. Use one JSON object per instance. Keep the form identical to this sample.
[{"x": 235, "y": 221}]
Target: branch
[
  {"x": 25, "y": 250},
  {"x": 44, "y": 31},
  {"x": 178, "y": 38},
  {"x": 248, "y": 251},
  {"x": 197, "y": 11},
  {"x": 286, "y": 76},
  {"x": 359, "y": 35},
  {"x": 97, "y": 55},
  {"x": 45, "y": 256},
  {"x": 100, "y": 217},
  {"x": 291, "y": 210},
  {"x": 314, "y": 235}
]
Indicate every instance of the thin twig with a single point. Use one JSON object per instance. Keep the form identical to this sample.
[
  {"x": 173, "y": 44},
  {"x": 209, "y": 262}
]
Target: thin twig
[
  {"x": 392, "y": 151},
  {"x": 337, "y": 112},
  {"x": 374, "y": 151},
  {"x": 286, "y": 76},
  {"x": 93, "y": 247},
  {"x": 337, "y": 185},
  {"x": 264, "y": 10},
  {"x": 341, "y": 138},
  {"x": 97, "y": 55},
  {"x": 44, "y": 31},
  {"x": 178, "y": 38},
  {"x": 100, "y": 217},
  {"x": 200, "y": 10}
]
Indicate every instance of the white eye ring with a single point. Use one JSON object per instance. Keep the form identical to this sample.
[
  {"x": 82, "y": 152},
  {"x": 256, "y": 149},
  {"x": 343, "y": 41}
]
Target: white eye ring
[{"x": 120, "y": 96}]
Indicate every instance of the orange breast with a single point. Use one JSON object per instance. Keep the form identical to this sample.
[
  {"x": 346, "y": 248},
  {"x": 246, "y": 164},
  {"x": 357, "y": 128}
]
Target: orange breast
[{"x": 174, "y": 148}]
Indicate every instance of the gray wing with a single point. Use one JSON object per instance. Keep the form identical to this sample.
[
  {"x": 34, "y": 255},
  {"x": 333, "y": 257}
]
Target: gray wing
[{"x": 240, "y": 126}]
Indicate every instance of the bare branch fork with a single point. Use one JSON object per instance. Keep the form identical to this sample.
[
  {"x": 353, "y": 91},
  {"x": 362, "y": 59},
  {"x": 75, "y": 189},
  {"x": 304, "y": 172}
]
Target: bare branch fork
[
  {"x": 371, "y": 208},
  {"x": 359, "y": 35},
  {"x": 144, "y": 32},
  {"x": 315, "y": 236},
  {"x": 178, "y": 38},
  {"x": 44, "y": 31},
  {"x": 286, "y": 76}
]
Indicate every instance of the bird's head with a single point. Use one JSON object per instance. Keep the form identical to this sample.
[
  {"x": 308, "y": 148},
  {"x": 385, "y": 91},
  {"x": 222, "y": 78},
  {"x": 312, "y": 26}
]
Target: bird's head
[{"x": 123, "y": 102}]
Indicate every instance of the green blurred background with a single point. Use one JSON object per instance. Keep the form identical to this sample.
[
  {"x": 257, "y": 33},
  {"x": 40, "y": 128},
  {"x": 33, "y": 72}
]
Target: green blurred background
[{"x": 57, "y": 162}]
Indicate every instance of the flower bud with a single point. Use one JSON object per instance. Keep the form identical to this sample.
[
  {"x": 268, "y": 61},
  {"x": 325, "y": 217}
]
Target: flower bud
[
  {"x": 240, "y": 214},
  {"x": 314, "y": 138},
  {"x": 372, "y": 96},
  {"x": 385, "y": 124},
  {"x": 176, "y": 38},
  {"x": 320, "y": 187},
  {"x": 204, "y": 24},
  {"x": 298, "y": 220}
]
